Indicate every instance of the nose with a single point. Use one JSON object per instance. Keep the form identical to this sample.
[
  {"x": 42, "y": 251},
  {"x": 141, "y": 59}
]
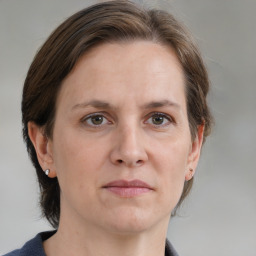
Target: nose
[{"x": 129, "y": 148}]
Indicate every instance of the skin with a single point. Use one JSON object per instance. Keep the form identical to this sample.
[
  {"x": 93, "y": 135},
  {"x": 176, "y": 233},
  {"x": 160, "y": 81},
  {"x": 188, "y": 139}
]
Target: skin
[{"x": 137, "y": 91}]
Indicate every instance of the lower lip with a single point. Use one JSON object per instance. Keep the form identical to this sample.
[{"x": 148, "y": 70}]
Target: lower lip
[{"x": 128, "y": 191}]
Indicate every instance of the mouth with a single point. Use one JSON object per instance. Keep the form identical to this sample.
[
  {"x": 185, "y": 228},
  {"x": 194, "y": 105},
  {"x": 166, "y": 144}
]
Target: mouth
[{"x": 128, "y": 189}]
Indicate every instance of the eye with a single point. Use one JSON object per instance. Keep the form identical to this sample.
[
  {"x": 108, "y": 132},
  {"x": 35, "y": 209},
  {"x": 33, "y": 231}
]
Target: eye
[
  {"x": 159, "y": 119},
  {"x": 95, "y": 120}
]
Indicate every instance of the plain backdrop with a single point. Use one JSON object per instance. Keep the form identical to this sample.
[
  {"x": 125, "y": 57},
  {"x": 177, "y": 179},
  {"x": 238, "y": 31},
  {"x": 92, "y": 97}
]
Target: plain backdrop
[{"x": 219, "y": 217}]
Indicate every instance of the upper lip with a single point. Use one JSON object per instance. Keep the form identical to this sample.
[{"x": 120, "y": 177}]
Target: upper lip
[{"x": 128, "y": 184}]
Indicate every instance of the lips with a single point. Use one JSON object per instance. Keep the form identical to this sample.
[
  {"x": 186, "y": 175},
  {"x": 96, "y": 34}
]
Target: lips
[{"x": 125, "y": 188}]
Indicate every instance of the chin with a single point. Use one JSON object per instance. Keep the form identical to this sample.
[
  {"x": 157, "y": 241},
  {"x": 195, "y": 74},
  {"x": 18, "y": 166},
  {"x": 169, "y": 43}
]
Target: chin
[{"x": 134, "y": 221}]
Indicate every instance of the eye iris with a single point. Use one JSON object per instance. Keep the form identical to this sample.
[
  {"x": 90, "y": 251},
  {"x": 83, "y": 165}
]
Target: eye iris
[
  {"x": 97, "y": 120},
  {"x": 158, "y": 119}
]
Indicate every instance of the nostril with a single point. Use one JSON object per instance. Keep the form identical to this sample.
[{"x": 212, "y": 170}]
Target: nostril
[{"x": 129, "y": 163}]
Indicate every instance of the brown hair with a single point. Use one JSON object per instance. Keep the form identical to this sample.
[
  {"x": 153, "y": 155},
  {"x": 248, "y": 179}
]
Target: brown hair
[{"x": 111, "y": 21}]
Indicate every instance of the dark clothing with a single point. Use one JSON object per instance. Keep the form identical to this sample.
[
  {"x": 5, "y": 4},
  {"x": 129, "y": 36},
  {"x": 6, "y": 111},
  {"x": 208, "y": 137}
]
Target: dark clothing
[
  {"x": 34, "y": 247},
  {"x": 169, "y": 250}
]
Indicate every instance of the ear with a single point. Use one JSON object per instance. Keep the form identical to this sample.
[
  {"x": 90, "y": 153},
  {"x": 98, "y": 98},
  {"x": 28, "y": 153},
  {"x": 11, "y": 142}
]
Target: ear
[
  {"x": 194, "y": 153},
  {"x": 43, "y": 148}
]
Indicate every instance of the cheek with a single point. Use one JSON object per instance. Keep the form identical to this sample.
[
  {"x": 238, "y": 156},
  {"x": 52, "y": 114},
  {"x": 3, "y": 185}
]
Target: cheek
[
  {"x": 76, "y": 163},
  {"x": 171, "y": 157},
  {"x": 75, "y": 150},
  {"x": 76, "y": 159},
  {"x": 171, "y": 163}
]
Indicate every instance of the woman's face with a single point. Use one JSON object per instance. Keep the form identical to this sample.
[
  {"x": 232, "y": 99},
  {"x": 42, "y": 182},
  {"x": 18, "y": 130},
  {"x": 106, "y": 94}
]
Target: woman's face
[{"x": 121, "y": 145}]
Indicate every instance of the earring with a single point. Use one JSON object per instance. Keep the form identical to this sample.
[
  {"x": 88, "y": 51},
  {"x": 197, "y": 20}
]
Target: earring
[
  {"x": 47, "y": 172},
  {"x": 190, "y": 175}
]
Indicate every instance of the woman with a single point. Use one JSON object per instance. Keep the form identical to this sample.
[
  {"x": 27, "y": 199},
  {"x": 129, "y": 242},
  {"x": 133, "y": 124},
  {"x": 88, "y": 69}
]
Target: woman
[{"x": 114, "y": 117}]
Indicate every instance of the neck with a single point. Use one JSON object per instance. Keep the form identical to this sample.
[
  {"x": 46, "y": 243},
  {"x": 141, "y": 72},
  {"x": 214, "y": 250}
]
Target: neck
[{"x": 87, "y": 239}]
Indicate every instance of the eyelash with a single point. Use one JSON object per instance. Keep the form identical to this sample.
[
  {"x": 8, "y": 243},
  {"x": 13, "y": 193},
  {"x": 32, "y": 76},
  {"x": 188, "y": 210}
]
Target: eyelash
[{"x": 149, "y": 116}]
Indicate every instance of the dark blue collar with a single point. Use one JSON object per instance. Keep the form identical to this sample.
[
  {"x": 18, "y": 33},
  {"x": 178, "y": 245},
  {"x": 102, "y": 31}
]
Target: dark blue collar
[{"x": 35, "y": 246}]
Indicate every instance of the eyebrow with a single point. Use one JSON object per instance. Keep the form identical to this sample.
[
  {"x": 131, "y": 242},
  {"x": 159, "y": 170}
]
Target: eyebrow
[
  {"x": 93, "y": 103},
  {"x": 102, "y": 104},
  {"x": 159, "y": 104}
]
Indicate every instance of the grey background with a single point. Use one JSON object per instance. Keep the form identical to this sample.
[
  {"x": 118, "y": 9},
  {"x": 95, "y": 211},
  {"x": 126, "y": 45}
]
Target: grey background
[{"x": 219, "y": 217}]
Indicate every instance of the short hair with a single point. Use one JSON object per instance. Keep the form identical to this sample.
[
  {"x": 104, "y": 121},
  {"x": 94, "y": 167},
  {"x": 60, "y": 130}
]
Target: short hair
[{"x": 112, "y": 21}]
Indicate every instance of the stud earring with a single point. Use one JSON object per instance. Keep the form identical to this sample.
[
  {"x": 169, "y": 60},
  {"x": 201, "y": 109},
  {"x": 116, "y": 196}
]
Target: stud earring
[
  {"x": 190, "y": 175},
  {"x": 47, "y": 172}
]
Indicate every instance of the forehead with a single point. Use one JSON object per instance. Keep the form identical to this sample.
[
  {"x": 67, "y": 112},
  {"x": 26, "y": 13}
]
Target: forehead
[{"x": 140, "y": 71}]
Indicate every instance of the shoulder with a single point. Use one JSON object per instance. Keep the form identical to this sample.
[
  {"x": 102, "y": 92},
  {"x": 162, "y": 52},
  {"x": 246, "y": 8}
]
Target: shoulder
[
  {"x": 13, "y": 253},
  {"x": 33, "y": 247}
]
